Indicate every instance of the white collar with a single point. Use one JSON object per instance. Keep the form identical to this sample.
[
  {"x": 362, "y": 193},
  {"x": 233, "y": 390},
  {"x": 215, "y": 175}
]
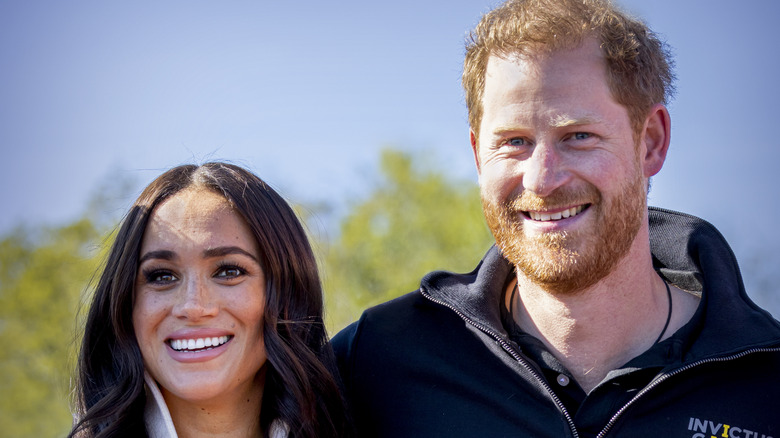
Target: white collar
[{"x": 159, "y": 423}]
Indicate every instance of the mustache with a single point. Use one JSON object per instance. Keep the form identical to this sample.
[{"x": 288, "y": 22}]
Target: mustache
[{"x": 560, "y": 198}]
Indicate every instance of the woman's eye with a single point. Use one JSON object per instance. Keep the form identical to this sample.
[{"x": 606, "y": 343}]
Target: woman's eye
[
  {"x": 229, "y": 272},
  {"x": 160, "y": 277}
]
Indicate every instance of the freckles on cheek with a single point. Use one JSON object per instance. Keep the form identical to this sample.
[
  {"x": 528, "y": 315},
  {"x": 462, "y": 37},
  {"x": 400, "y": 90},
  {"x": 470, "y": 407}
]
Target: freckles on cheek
[
  {"x": 151, "y": 304},
  {"x": 140, "y": 311},
  {"x": 148, "y": 312}
]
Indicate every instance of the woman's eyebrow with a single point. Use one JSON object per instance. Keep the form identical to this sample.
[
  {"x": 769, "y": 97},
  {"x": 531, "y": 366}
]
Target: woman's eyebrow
[
  {"x": 225, "y": 250},
  {"x": 162, "y": 254}
]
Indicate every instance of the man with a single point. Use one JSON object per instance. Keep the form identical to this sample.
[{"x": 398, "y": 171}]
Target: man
[{"x": 592, "y": 315}]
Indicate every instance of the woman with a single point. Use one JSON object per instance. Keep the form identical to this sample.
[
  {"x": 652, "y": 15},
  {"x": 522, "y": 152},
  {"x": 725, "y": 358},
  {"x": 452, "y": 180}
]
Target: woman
[{"x": 207, "y": 318}]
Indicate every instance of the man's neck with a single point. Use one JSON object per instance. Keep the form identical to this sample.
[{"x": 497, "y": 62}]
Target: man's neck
[{"x": 596, "y": 330}]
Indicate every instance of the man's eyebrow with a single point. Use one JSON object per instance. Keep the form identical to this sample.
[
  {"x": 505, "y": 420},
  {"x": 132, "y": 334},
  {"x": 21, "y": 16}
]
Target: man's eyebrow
[
  {"x": 162, "y": 254},
  {"x": 564, "y": 121},
  {"x": 225, "y": 250},
  {"x": 560, "y": 121},
  {"x": 503, "y": 129}
]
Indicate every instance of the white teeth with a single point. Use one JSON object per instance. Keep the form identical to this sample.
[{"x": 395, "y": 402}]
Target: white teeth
[
  {"x": 544, "y": 217},
  {"x": 197, "y": 344}
]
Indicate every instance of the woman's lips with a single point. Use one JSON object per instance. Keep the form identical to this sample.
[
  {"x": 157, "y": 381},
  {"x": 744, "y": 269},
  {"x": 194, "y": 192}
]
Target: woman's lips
[{"x": 197, "y": 344}]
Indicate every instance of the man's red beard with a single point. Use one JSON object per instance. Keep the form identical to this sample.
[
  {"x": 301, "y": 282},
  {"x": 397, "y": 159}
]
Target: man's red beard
[{"x": 567, "y": 262}]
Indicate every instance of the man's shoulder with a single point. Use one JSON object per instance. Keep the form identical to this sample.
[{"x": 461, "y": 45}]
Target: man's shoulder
[
  {"x": 398, "y": 324},
  {"x": 436, "y": 309},
  {"x": 377, "y": 326},
  {"x": 382, "y": 317}
]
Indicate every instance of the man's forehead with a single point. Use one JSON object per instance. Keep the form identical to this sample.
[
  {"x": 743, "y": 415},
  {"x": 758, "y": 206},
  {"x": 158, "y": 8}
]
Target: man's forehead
[{"x": 537, "y": 55}]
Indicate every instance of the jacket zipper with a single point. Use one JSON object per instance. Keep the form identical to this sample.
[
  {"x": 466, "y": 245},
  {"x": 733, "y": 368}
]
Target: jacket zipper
[
  {"x": 664, "y": 377},
  {"x": 509, "y": 349},
  {"x": 515, "y": 355}
]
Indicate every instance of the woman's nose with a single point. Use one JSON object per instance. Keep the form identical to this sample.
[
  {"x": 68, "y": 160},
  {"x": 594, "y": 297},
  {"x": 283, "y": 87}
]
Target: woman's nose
[{"x": 195, "y": 300}]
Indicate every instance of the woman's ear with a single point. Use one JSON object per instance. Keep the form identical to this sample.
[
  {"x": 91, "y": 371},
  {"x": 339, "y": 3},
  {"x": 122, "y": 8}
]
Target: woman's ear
[{"x": 655, "y": 140}]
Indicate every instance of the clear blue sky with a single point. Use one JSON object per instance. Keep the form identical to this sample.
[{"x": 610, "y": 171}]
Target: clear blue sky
[{"x": 305, "y": 93}]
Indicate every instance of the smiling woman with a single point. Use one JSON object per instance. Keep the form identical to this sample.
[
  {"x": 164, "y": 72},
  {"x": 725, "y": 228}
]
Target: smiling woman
[{"x": 207, "y": 318}]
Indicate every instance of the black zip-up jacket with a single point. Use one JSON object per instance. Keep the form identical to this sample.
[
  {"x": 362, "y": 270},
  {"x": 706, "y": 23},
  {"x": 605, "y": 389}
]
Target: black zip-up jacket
[{"x": 439, "y": 362}]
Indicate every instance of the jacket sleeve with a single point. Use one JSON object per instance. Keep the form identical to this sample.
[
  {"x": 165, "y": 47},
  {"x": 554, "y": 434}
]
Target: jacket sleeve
[{"x": 343, "y": 347}]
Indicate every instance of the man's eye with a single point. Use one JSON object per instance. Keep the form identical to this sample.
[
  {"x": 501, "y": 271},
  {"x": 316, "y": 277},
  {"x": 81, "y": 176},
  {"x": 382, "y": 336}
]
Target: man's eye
[
  {"x": 581, "y": 135},
  {"x": 517, "y": 142}
]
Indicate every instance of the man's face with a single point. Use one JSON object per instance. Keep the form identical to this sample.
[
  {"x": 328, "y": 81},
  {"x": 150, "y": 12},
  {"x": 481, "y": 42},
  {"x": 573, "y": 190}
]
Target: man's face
[{"x": 560, "y": 176}]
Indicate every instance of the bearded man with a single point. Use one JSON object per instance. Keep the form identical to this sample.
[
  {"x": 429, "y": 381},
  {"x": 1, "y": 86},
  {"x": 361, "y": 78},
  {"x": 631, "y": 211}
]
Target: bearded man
[{"x": 592, "y": 315}]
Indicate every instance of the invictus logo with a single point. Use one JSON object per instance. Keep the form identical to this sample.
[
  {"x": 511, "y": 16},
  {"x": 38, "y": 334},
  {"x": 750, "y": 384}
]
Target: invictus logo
[{"x": 712, "y": 429}]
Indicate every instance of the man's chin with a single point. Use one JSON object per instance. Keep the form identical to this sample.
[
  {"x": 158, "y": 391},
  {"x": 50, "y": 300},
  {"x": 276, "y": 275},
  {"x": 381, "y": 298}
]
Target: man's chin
[{"x": 555, "y": 269}]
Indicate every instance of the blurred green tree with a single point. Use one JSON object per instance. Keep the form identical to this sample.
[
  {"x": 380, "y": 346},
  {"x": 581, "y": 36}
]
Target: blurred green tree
[
  {"x": 42, "y": 276},
  {"x": 415, "y": 220},
  {"x": 45, "y": 273}
]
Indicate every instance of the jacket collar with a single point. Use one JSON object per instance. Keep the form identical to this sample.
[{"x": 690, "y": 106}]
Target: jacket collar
[
  {"x": 688, "y": 252},
  {"x": 692, "y": 254}
]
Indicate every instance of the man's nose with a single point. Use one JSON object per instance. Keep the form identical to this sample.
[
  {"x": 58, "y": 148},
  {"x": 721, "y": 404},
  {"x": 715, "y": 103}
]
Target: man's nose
[
  {"x": 544, "y": 170},
  {"x": 195, "y": 300}
]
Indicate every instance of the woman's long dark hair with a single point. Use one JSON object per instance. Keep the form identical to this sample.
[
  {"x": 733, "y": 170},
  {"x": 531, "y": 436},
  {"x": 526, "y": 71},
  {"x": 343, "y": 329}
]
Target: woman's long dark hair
[{"x": 301, "y": 389}]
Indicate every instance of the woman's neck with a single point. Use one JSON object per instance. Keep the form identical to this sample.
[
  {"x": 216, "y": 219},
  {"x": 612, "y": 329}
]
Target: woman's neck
[{"x": 232, "y": 415}]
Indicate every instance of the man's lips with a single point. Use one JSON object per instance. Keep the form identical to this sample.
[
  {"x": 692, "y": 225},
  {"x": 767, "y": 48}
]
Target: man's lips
[{"x": 545, "y": 216}]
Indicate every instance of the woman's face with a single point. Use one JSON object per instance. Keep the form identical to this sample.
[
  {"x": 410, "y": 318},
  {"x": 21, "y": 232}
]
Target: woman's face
[{"x": 199, "y": 300}]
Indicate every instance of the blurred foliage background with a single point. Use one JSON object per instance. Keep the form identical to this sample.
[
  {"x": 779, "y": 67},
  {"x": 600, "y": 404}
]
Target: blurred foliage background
[{"x": 412, "y": 219}]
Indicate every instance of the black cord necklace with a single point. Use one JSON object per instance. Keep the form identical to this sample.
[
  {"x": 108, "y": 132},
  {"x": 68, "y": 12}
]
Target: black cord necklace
[
  {"x": 512, "y": 300},
  {"x": 668, "y": 316}
]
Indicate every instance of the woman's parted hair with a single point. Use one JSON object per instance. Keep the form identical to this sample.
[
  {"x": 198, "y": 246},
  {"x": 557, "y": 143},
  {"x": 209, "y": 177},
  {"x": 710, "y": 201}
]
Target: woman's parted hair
[
  {"x": 300, "y": 387},
  {"x": 639, "y": 65}
]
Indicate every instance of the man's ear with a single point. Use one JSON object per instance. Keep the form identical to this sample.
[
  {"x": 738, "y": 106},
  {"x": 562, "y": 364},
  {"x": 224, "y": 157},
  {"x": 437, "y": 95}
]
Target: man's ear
[
  {"x": 475, "y": 150},
  {"x": 656, "y": 137}
]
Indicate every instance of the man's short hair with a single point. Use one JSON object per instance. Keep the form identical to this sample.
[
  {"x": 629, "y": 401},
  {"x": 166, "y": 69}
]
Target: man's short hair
[{"x": 639, "y": 65}]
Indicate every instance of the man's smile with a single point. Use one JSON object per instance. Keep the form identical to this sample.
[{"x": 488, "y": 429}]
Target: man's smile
[{"x": 544, "y": 216}]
